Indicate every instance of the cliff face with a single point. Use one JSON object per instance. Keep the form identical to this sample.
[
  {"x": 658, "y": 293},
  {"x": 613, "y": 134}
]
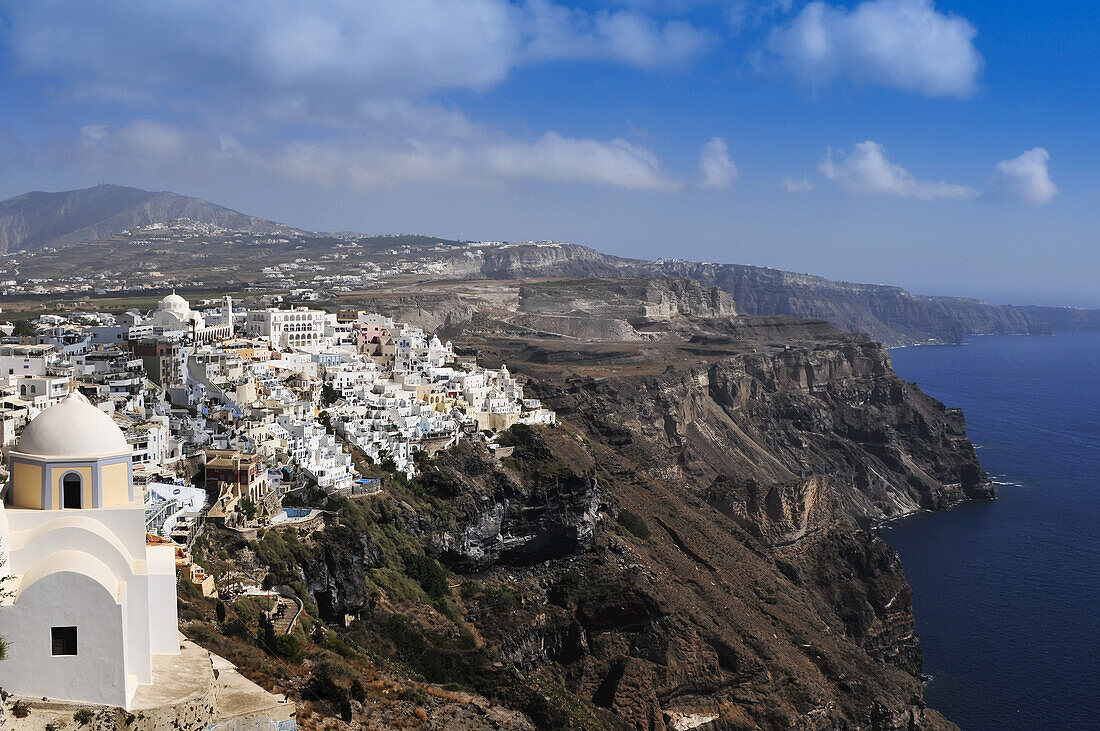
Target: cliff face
[
  {"x": 335, "y": 573},
  {"x": 889, "y": 314},
  {"x": 686, "y": 549},
  {"x": 829, "y": 406},
  {"x": 558, "y": 260},
  {"x": 510, "y": 519},
  {"x": 727, "y": 578},
  {"x": 616, "y": 309}
]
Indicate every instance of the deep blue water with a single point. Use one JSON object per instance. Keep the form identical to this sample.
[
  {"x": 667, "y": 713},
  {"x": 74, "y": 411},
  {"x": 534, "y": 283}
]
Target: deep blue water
[{"x": 1007, "y": 593}]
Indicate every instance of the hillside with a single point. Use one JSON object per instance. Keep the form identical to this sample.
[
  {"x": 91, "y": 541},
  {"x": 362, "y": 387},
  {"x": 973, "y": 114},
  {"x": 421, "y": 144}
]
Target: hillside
[
  {"x": 33, "y": 220},
  {"x": 685, "y": 550}
]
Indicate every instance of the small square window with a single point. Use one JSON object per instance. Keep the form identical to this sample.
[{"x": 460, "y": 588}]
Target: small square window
[{"x": 64, "y": 640}]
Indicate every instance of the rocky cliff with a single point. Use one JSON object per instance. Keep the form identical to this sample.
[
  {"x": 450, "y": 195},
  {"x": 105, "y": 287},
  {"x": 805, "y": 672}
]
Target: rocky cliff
[
  {"x": 729, "y": 581},
  {"x": 889, "y": 314},
  {"x": 616, "y": 309}
]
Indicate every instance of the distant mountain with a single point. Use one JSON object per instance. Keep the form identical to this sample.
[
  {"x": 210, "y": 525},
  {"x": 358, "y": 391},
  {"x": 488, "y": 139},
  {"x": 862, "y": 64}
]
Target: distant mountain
[
  {"x": 889, "y": 314},
  {"x": 33, "y": 220}
]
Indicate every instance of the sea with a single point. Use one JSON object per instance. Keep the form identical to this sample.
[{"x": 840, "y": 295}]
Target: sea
[{"x": 1007, "y": 592}]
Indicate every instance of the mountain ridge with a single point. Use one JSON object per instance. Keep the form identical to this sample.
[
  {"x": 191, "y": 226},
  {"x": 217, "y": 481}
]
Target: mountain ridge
[
  {"x": 40, "y": 218},
  {"x": 888, "y": 313}
]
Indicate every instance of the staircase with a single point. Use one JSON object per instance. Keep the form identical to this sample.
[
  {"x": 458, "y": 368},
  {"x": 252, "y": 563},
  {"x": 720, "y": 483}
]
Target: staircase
[{"x": 284, "y": 615}]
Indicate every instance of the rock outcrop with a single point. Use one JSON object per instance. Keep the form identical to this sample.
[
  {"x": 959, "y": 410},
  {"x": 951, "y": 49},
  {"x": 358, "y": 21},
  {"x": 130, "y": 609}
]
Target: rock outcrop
[
  {"x": 616, "y": 309},
  {"x": 335, "y": 574},
  {"x": 527, "y": 509}
]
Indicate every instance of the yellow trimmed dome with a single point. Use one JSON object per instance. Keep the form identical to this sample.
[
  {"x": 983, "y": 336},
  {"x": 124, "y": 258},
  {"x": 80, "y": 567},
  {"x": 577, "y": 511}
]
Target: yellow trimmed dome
[{"x": 72, "y": 428}]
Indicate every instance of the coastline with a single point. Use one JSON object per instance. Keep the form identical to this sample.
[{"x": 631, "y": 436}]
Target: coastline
[{"x": 1003, "y": 596}]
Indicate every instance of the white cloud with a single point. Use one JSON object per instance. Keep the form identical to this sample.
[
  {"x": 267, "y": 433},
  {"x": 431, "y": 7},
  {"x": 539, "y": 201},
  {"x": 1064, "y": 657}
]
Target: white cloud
[
  {"x": 798, "y": 185},
  {"x": 142, "y": 140},
  {"x": 716, "y": 170},
  {"x": 1027, "y": 178},
  {"x": 558, "y": 32},
  {"x": 342, "y": 85},
  {"x": 363, "y": 163},
  {"x": 364, "y": 48},
  {"x": 900, "y": 44},
  {"x": 558, "y": 159},
  {"x": 156, "y": 139},
  {"x": 866, "y": 171}
]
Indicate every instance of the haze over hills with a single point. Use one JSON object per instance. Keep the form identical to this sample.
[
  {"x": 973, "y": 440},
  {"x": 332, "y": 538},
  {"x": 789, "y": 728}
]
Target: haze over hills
[
  {"x": 36, "y": 219},
  {"x": 889, "y": 314}
]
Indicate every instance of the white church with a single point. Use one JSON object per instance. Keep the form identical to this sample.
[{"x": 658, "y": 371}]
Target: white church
[
  {"x": 87, "y": 602},
  {"x": 175, "y": 313}
]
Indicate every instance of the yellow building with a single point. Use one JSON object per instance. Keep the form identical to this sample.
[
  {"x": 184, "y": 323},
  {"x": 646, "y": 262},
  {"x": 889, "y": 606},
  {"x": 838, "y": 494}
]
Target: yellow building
[
  {"x": 73, "y": 456},
  {"x": 88, "y": 602}
]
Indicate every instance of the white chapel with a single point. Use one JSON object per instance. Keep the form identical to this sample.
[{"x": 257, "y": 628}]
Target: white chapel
[{"x": 87, "y": 601}]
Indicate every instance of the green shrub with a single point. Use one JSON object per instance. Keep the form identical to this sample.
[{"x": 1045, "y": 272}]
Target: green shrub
[
  {"x": 289, "y": 648},
  {"x": 83, "y": 716},
  {"x": 267, "y": 637},
  {"x": 237, "y": 628},
  {"x": 23, "y": 329},
  {"x": 337, "y": 644},
  {"x": 634, "y": 523},
  {"x": 358, "y": 693},
  {"x": 529, "y": 445},
  {"x": 416, "y": 695},
  {"x": 20, "y": 709},
  {"x": 448, "y": 609},
  {"x": 566, "y": 589},
  {"x": 429, "y": 573},
  {"x": 500, "y": 598}
]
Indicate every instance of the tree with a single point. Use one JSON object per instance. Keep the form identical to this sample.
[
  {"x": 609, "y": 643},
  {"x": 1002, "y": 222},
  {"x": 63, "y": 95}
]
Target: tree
[
  {"x": 23, "y": 329},
  {"x": 219, "y": 611},
  {"x": 329, "y": 395},
  {"x": 289, "y": 648},
  {"x": 5, "y": 593},
  {"x": 429, "y": 573},
  {"x": 267, "y": 636}
]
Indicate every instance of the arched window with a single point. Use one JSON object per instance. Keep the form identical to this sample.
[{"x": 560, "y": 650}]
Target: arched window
[{"x": 72, "y": 491}]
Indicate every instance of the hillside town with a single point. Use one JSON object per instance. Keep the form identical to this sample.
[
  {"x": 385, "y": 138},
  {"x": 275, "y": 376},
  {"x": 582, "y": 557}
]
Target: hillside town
[
  {"x": 292, "y": 266},
  {"x": 236, "y": 414}
]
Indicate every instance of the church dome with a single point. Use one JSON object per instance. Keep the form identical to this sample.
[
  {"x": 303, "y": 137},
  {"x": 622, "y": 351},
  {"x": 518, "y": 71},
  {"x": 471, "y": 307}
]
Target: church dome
[
  {"x": 174, "y": 303},
  {"x": 72, "y": 428}
]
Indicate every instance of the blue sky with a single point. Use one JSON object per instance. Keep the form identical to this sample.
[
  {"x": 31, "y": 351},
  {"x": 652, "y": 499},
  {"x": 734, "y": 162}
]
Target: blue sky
[{"x": 948, "y": 147}]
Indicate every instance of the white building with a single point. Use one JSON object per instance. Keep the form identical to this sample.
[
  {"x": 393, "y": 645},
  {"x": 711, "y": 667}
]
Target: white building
[
  {"x": 26, "y": 360},
  {"x": 90, "y": 602},
  {"x": 318, "y": 453},
  {"x": 43, "y": 391},
  {"x": 287, "y": 328},
  {"x": 175, "y": 313}
]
